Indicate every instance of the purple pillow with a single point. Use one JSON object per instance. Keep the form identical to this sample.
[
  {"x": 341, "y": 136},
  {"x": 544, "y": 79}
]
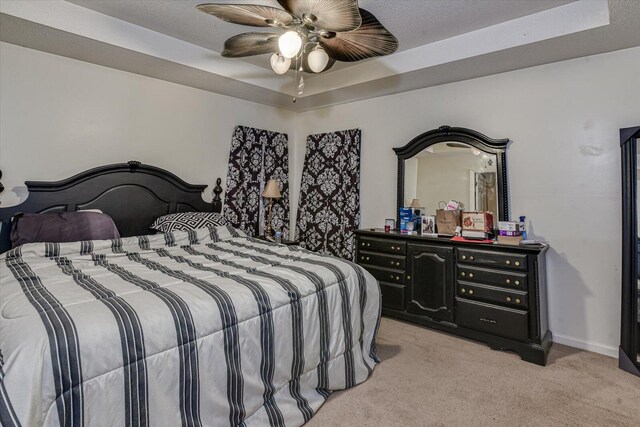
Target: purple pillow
[{"x": 62, "y": 227}]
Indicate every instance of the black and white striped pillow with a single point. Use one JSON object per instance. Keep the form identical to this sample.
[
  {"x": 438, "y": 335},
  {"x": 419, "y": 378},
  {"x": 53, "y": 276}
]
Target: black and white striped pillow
[{"x": 185, "y": 221}]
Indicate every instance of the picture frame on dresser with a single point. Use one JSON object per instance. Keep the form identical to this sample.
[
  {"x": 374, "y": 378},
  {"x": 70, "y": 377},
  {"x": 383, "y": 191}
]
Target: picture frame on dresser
[{"x": 493, "y": 293}]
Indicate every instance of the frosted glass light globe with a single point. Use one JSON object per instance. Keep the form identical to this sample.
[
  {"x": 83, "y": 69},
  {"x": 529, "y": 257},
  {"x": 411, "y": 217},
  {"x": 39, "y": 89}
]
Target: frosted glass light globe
[
  {"x": 279, "y": 63},
  {"x": 290, "y": 44},
  {"x": 317, "y": 60}
]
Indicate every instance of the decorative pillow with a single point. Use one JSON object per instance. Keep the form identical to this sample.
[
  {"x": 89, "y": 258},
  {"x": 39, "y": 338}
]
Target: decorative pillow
[
  {"x": 185, "y": 221},
  {"x": 62, "y": 227}
]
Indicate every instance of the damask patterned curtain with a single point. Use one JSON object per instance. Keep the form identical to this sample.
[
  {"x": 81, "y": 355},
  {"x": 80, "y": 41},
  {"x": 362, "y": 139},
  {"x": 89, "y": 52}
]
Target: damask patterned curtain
[
  {"x": 329, "y": 208},
  {"x": 257, "y": 156}
]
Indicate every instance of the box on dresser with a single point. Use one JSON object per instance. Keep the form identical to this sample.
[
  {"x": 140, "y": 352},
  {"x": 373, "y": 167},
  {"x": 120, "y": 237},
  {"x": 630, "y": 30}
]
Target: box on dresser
[{"x": 488, "y": 292}]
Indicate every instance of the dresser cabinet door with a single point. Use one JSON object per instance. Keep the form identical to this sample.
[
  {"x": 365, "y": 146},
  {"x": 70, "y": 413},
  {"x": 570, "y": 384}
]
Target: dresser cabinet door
[{"x": 430, "y": 279}]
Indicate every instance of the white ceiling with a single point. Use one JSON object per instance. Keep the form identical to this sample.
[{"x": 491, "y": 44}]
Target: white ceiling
[
  {"x": 413, "y": 22},
  {"x": 440, "y": 41}
]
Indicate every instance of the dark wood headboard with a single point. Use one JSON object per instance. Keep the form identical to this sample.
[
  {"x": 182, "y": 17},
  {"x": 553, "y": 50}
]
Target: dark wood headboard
[{"x": 132, "y": 193}]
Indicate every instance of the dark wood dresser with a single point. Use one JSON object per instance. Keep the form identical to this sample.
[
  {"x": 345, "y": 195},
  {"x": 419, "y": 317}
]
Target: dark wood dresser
[{"x": 488, "y": 292}]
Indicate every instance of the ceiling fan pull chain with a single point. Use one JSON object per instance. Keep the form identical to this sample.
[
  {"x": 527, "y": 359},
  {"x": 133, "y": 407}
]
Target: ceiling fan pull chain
[{"x": 295, "y": 98}]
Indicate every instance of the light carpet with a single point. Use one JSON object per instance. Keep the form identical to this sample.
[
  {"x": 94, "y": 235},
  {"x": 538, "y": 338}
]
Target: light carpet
[{"x": 429, "y": 378}]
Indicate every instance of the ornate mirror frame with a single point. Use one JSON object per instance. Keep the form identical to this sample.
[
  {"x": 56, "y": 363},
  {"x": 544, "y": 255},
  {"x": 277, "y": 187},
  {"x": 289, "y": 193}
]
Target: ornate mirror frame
[
  {"x": 629, "y": 328},
  {"x": 464, "y": 135}
]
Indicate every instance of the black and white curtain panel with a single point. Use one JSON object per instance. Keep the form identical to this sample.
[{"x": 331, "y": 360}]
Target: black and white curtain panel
[
  {"x": 257, "y": 156},
  {"x": 329, "y": 208}
]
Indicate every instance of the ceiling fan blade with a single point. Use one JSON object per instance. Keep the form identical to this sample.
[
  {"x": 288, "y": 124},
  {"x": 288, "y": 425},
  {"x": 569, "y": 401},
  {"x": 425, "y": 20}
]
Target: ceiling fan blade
[
  {"x": 307, "y": 69},
  {"x": 248, "y": 14},
  {"x": 249, "y": 44},
  {"x": 371, "y": 39},
  {"x": 331, "y": 15}
]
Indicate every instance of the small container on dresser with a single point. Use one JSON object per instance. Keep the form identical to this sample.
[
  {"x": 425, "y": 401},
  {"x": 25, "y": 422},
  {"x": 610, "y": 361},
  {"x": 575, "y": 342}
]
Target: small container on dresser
[{"x": 492, "y": 293}]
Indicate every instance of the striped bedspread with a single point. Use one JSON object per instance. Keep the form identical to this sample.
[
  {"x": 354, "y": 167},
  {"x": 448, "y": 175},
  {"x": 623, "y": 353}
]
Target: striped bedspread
[{"x": 207, "y": 327}]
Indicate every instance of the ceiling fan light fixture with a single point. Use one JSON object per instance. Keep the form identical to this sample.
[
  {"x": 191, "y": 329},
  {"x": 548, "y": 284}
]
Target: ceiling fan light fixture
[
  {"x": 279, "y": 63},
  {"x": 318, "y": 60},
  {"x": 289, "y": 44}
]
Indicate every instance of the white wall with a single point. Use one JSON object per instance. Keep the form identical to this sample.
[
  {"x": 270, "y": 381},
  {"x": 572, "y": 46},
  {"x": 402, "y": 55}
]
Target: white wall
[
  {"x": 59, "y": 116},
  {"x": 564, "y": 168}
]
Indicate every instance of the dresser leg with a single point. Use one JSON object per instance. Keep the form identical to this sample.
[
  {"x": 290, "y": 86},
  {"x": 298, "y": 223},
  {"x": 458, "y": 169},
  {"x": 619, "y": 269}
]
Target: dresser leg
[{"x": 538, "y": 353}]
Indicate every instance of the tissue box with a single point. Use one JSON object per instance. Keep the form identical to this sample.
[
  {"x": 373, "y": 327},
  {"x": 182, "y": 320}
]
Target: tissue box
[
  {"x": 477, "y": 221},
  {"x": 509, "y": 226}
]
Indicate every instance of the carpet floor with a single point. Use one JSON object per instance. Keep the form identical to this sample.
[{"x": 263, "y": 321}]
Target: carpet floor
[{"x": 428, "y": 378}]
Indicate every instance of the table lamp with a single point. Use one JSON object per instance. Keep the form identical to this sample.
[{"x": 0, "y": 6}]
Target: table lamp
[{"x": 271, "y": 191}]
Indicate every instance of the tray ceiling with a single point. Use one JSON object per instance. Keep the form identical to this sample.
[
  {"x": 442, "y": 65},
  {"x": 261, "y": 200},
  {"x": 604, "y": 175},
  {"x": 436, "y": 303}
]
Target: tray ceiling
[{"x": 440, "y": 41}]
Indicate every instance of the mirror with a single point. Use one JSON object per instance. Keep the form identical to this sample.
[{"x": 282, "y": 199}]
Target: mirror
[
  {"x": 454, "y": 164},
  {"x": 629, "y": 356},
  {"x": 452, "y": 171},
  {"x": 637, "y": 270}
]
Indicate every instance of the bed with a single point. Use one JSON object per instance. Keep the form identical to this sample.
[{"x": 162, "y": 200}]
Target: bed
[{"x": 201, "y": 327}]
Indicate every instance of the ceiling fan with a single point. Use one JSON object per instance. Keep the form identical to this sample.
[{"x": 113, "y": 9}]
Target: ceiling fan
[{"x": 314, "y": 34}]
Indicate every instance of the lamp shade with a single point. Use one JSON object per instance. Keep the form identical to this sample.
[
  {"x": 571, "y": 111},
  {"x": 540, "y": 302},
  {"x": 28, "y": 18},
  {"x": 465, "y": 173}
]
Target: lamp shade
[
  {"x": 318, "y": 60},
  {"x": 290, "y": 44},
  {"x": 415, "y": 203},
  {"x": 272, "y": 190},
  {"x": 279, "y": 63}
]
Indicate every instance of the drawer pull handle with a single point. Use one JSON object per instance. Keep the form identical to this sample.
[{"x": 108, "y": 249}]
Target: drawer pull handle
[
  {"x": 517, "y": 282},
  {"x": 463, "y": 274},
  {"x": 393, "y": 248},
  {"x": 464, "y": 257},
  {"x": 517, "y": 300},
  {"x": 517, "y": 263},
  {"x": 470, "y": 291},
  {"x": 508, "y": 299},
  {"x": 391, "y": 276},
  {"x": 364, "y": 244},
  {"x": 487, "y": 320},
  {"x": 470, "y": 258},
  {"x": 368, "y": 244},
  {"x": 408, "y": 277},
  {"x": 463, "y": 290},
  {"x": 368, "y": 258},
  {"x": 470, "y": 274},
  {"x": 508, "y": 262},
  {"x": 508, "y": 281},
  {"x": 398, "y": 263},
  {"x": 397, "y": 277}
]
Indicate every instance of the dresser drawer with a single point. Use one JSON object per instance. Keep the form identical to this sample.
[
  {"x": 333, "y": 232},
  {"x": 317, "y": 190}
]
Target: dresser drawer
[
  {"x": 508, "y": 279},
  {"x": 397, "y": 247},
  {"x": 500, "y": 321},
  {"x": 392, "y": 295},
  {"x": 381, "y": 260},
  {"x": 513, "y": 298},
  {"x": 386, "y": 275},
  {"x": 493, "y": 259}
]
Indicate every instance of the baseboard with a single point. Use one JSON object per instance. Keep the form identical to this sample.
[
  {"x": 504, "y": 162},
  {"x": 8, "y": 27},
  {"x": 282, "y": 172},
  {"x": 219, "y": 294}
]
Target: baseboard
[{"x": 589, "y": 346}]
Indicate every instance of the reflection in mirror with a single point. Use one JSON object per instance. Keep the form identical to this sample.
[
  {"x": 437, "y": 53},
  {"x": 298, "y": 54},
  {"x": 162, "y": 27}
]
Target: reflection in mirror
[{"x": 452, "y": 171}]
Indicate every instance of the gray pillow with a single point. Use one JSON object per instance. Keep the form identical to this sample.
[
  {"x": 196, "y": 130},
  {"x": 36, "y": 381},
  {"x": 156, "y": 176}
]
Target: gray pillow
[{"x": 62, "y": 227}]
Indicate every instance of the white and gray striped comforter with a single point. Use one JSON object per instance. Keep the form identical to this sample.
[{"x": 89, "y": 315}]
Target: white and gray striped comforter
[{"x": 189, "y": 328}]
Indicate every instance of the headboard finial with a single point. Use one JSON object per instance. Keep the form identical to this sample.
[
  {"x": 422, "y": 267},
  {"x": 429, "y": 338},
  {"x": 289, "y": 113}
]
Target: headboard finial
[
  {"x": 133, "y": 165},
  {"x": 217, "y": 201},
  {"x": 2, "y": 186}
]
